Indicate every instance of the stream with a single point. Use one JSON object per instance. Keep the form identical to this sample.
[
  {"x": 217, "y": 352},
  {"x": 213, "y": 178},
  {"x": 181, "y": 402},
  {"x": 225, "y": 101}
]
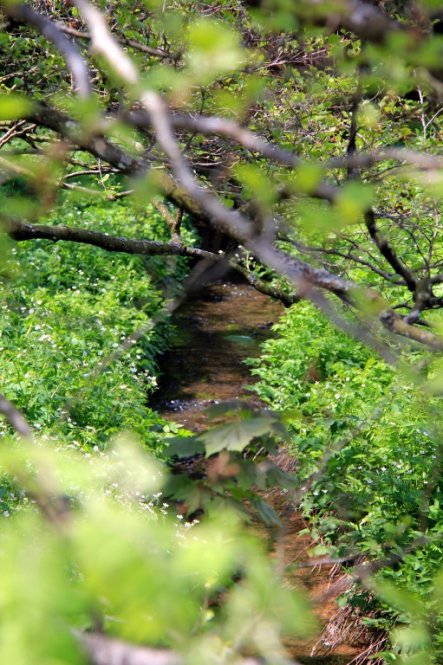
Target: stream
[{"x": 215, "y": 332}]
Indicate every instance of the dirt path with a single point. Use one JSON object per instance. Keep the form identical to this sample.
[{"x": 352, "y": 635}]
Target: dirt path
[{"x": 215, "y": 333}]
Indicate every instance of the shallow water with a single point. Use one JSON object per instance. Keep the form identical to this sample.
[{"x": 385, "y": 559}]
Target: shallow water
[{"x": 215, "y": 332}]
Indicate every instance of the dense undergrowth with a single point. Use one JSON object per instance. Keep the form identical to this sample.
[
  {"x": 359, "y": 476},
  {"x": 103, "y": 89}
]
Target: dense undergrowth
[
  {"x": 104, "y": 549},
  {"x": 67, "y": 309},
  {"x": 379, "y": 490}
]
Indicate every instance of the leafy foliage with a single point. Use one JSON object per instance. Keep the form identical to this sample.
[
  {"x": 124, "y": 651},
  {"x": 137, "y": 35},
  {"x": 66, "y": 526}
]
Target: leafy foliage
[
  {"x": 346, "y": 201},
  {"x": 380, "y": 487},
  {"x": 117, "y": 558},
  {"x": 65, "y": 310},
  {"x": 238, "y": 462}
]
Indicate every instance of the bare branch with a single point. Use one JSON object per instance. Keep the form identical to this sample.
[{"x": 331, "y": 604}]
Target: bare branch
[
  {"x": 194, "y": 197},
  {"x": 366, "y": 160},
  {"x": 18, "y": 129},
  {"x": 204, "y": 205},
  {"x": 103, "y": 650},
  {"x": 144, "y": 48},
  {"x": 102, "y": 42},
  {"x": 305, "y": 277},
  {"x": 210, "y": 125},
  {"x": 396, "y": 324},
  {"x": 95, "y": 144},
  {"x": 387, "y": 251},
  {"x": 20, "y": 231},
  {"x": 287, "y": 299},
  {"x": 349, "y": 256},
  {"x": 172, "y": 222},
  {"x": 367, "y": 21}
]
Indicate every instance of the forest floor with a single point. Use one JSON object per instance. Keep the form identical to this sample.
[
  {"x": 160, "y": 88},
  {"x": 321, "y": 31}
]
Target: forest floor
[{"x": 216, "y": 331}]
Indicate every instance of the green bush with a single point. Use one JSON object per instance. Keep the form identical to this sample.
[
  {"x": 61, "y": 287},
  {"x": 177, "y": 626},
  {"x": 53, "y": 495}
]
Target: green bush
[
  {"x": 66, "y": 308},
  {"x": 371, "y": 499}
]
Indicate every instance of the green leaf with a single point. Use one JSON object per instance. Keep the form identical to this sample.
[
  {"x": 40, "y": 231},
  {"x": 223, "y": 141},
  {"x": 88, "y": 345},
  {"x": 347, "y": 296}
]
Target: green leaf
[
  {"x": 184, "y": 447},
  {"x": 306, "y": 177},
  {"x": 257, "y": 183},
  {"x": 14, "y": 106},
  {"x": 236, "y": 436},
  {"x": 213, "y": 49},
  {"x": 404, "y": 600},
  {"x": 353, "y": 199}
]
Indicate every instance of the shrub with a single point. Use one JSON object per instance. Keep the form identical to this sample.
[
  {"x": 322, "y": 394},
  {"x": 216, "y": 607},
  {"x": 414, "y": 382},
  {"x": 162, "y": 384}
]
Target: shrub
[{"x": 66, "y": 308}]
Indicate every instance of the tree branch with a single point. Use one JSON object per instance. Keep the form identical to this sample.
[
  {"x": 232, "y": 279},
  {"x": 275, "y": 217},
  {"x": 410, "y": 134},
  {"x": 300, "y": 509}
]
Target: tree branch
[
  {"x": 96, "y": 144},
  {"x": 137, "y": 46},
  {"x": 396, "y": 324},
  {"x": 201, "y": 201},
  {"x": 387, "y": 251},
  {"x": 20, "y": 231},
  {"x": 367, "y": 21},
  {"x": 204, "y": 205},
  {"x": 104, "y": 650},
  {"x": 15, "y": 418}
]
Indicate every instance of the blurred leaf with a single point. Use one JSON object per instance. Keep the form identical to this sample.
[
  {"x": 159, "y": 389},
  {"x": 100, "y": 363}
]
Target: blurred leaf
[
  {"x": 213, "y": 49},
  {"x": 258, "y": 184},
  {"x": 306, "y": 177},
  {"x": 403, "y": 599},
  {"x": 14, "y": 106},
  {"x": 184, "y": 447},
  {"x": 235, "y": 406},
  {"x": 266, "y": 512},
  {"x": 354, "y": 198}
]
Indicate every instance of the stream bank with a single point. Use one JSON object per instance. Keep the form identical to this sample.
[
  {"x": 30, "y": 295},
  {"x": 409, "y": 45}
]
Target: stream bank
[{"x": 215, "y": 332}]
